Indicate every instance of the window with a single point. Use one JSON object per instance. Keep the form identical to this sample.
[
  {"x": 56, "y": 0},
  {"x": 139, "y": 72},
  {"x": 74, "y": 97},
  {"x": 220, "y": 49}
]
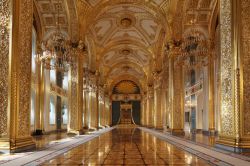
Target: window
[
  {"x": 65, "y": 114},
  {"x": 65, "y": 82},
  {"x": 52, "y": 112},
  {"x": 32, "y": 112},
  {"x": 52, "y": 76},
  {"x": 33, "y": 61}
]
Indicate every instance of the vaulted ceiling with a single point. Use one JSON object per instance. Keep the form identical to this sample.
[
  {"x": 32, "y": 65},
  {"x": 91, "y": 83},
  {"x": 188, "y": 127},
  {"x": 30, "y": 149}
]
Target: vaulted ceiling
[
  {"x": 128, "y": 35},
  {"x": 124, "y": 37}
]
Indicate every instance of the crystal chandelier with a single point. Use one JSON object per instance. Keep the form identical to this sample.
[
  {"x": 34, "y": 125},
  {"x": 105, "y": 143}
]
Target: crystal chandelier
[
  {"x": 194, "y": 46},
  {"x": 57, "y": 53}
]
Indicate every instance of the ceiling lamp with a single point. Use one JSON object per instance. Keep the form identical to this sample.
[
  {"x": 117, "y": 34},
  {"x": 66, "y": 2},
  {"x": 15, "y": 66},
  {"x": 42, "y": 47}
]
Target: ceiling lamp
[
  {"x": 194, "y": 46},
  {"x": 57, "y": 53}
]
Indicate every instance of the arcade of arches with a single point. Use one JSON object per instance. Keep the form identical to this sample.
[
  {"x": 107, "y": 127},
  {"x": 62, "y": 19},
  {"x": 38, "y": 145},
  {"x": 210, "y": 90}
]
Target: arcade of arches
[{"x": 135, "y": 69}]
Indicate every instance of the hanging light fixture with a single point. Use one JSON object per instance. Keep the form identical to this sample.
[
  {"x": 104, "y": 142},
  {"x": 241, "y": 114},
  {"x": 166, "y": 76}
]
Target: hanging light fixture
[
  {"x": 194, "y": 46},
  {"x": 57, "y": 53}
]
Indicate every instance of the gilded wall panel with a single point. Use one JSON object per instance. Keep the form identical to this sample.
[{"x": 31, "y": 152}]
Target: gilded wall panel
[
  {"x": 4, "y": 60},
  {"x": 24, "y": 72},
  {"x": 227, "y": 75},
  {"x": 245, "y": 48}
]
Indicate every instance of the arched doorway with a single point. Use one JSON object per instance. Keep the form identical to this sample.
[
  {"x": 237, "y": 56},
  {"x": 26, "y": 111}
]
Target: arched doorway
[{"x": 126, "y": 102}]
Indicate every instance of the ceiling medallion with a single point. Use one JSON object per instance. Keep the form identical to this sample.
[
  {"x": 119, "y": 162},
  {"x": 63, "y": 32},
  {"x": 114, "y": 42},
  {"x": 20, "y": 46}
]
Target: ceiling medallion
[
  {"x": 125, "y": 51},
  {"x": 126, "y": 21},
  {"x": 126, "y": 68}
]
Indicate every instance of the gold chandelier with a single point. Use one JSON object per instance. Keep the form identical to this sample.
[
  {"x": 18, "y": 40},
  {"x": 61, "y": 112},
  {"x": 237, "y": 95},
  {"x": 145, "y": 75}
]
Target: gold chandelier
[
  {"x": 57, "y": 53},
  {"x": 194, "y": 46}
]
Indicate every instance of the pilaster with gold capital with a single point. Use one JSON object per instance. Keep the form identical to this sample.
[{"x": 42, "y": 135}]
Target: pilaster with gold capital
[
  {"x": 150, "y": 106},
  {"x": 93, "y": 100},
  {"x": 15, "y": 75},
  {"x": 176, "y": 93},
  {"x": 85, "y": 99},
  {"x": 75, "y": 124},
  {"x": 211, "y": 65},
  {"x": 165, "y": 96},
  {"x": 39, "y": 86},
  {"x": 158, "y": 116},
  {"x": 143, "y": 109},
  {"x": 97, "y": 123},
  {"x": 234, "y": 133}
]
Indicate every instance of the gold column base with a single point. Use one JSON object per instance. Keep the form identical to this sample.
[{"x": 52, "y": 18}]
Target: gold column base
[
  {"x": 150, "y": 126},
  {"x": 159, "y": 127},
  {"x": 177, "y": 131},
  {"x": 75, "y": 132},
  {"x": 233, "y": 144},
  {"x": 17, "y": 144},
  {"x": 212, "y": 132}
]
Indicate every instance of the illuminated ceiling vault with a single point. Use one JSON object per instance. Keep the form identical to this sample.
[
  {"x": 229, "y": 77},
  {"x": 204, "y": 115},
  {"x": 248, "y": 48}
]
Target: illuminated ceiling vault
[{"x": 125, "y": 38}]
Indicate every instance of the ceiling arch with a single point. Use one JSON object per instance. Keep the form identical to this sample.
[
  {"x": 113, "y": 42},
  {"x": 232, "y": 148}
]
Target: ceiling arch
[
  {"x": 126, "y": 33},
  {"x": 93, "y": 8},
  {"x": 126, "y": 52},
  {"x": 124, "y": 22},
  {"x": 126, "y": 67}
]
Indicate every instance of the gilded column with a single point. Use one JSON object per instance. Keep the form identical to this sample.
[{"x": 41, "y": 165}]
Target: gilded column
[
  {"x": 97, "y": 110},
  {"x": 177, "y": 96},
  {"x": 80, "y": 93},
  {"x": 92, "y": 107},
  {"x": 102, "y": 107},
  {"x": 164, "y": 108},
  {"x": 142, "y": 113},
  {"x": 93, "y": 100},
  {"x": 15, "y": 75},
  {"x": 165, "y": 98},
  {"x": 105, "y": 110},
  {"x": 41, "y": 97},
  {"x": 75, "y": 124},
  {"x": 109, "y": 112},
  {"x": 157, "y": 102},
  {"x": 145, "y": 109},
  {"x": 150, "y": 109},
  {"x": 235, "y": 36},
  {"x": 211, "y": 94},
  {"x": 85, "y": 100}
]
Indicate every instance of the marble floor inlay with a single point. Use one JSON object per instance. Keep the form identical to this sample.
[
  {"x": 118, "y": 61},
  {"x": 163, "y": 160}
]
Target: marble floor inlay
[{"x": 126, "y": 146}]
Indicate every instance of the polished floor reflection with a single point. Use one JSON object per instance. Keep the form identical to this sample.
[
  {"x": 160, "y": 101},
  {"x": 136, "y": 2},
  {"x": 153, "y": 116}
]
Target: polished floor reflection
[
  {"x": 126, "y": 145},
  {"x": 42, "y": 141}
]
